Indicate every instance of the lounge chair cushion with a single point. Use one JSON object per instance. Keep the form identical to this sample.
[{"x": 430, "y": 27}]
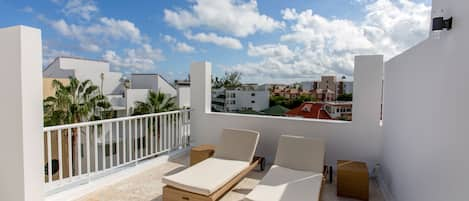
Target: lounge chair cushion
[
  {"x": 207, "y": 176},
  {"x": 237, "y": 145},
  {"x": 284, "y": 184},
  {"x": 300, "y": 153}
]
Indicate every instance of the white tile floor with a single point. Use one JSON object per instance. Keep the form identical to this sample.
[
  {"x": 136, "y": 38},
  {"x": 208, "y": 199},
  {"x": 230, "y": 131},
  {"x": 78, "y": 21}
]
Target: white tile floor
[{"x": 147, "y": 186}]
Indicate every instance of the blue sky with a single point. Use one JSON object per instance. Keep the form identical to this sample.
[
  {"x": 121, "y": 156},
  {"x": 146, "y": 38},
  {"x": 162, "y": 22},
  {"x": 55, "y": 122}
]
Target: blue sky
[{"x": 267, "y": 41}]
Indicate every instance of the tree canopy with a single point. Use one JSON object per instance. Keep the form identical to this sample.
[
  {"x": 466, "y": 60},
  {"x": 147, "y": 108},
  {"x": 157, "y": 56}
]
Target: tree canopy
[{"x": 75, "y": 102}]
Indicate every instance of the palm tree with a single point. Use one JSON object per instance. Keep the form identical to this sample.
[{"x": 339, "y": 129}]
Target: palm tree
[
  {"x": 229, "y": 81},
  {"x": 74, "y": 103},
  {"x": 156, "y": 102}
]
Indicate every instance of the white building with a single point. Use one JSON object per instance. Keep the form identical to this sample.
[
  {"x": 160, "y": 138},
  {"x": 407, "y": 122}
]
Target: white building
[
  {"x": 183, "y": 88},
  {"x": 154, "y": 82},
  {"x": 240, "y": 100},
  {"x": 95, "y": 70},
  {"x": 110, "y": 83},
  {"x": 86, "y": 69}
]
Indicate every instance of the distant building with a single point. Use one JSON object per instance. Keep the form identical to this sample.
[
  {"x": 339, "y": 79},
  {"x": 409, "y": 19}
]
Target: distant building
[
  {"x": 155, "y": 82},
  {"x": 339, "y": 110},
  {"x": 183, "y": 88},
  {"x": 239, "y": 100},
  {"x": 344, "y": 87},
  {"x": 309, "y": 110},
  {"x": 48, "y": 88},
  {"x": 111, "y": 84},
  {"x": 97, "y": 71}
]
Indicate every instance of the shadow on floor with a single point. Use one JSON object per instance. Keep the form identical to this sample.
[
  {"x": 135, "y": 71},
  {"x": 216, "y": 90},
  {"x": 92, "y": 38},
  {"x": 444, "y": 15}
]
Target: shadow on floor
[
  {"x": 159, "y": 198},
  {"x": 174, "y": 171}
]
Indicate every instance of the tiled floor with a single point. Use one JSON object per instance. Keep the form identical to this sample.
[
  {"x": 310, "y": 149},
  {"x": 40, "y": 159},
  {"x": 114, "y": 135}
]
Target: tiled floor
[{"x": 147, "y": 186}]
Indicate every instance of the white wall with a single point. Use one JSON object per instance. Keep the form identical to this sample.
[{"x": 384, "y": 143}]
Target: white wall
[
  {"x": 144, "y": 81},
  {"x": 84, "y": 69},
  {"x": 134, "y": 95},
  {"x": 165, "y": 87},
  {"x": 21, "y": 144},
  {"x": 426, "y": 93},
  {"x": 243, "y": 99},
  {"x": 357, "y": 140},
  {"x": 183, "y": 96},
  {"x": 153, "y": 82}
]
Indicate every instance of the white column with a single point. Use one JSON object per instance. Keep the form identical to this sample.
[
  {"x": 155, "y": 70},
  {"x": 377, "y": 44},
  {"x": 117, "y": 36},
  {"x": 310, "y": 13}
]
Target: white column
[
  {"x": 367, "y": 89},
  {"x": 21, "y": 116},
  {"x": 201, "y": 85}
]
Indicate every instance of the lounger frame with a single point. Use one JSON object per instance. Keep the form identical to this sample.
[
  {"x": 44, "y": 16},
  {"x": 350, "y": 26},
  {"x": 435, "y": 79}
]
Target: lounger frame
[{"x": 171, "y": 193}]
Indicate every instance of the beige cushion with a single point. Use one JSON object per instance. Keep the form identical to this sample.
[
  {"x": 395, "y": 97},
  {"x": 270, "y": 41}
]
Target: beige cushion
[
  {"x": 284, "y": 184},
  {"x": 300, "y": 153},
  {"x": 207, "y": 176},
  {"x": 237, "y": 145}
]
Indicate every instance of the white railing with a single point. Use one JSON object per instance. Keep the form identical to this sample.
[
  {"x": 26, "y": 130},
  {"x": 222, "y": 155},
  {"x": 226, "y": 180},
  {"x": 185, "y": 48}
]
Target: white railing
[{"x": 75, "y": 153}]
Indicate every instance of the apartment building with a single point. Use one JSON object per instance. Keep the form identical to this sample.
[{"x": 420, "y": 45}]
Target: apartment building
[
  {"x": 239, "y": 100},
  {"x": 339, "y": 110},
  {"x": 344, "y": 87}
]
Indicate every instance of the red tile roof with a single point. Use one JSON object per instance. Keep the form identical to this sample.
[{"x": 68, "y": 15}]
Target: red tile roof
[{"x": 309, "y": 110}]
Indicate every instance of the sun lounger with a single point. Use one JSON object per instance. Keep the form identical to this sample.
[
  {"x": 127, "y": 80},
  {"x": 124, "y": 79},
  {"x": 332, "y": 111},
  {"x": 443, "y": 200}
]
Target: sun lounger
[
  {"x": 296, "y": 173},
  {"x": 213, "y": 177}
]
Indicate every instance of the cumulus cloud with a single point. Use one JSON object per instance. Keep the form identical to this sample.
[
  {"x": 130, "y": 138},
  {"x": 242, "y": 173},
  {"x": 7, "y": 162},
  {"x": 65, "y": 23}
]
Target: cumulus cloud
[
  {"x": 239, "y": 18},
  {"x": 84, "y": 9},
  {"x": 178, "y": 46},
  {"x": 326, "y": 46},
  {"x": 49, "y": 54},
  {"x": 213, "y": 38},
  {"x": 136, "y": 60},
  {"x": 92, "y": 36}
]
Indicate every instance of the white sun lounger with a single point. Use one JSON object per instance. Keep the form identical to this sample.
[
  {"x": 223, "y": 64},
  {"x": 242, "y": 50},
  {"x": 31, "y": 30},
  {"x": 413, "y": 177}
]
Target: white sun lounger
[
  {"x": 213, "y": 177},
  {"x": 296, "y": 174}
]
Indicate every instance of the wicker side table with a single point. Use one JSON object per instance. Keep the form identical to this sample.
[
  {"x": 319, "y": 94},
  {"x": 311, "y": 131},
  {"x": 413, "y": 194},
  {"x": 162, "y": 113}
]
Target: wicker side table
[
  {"x": 201, "y": 152},
  {"x": 352, "y": 179}
]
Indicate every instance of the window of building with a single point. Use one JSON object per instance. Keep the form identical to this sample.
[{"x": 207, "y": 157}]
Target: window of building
[
  {"x": 253, "y": 94},
  {"x": 253, "y": 101}
]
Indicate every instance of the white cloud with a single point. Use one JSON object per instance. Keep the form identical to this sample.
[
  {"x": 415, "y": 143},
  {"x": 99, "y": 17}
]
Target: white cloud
[
  {"x": 325, "y": 46},
  {"x": 49, "y": 54},
  {"x": 135, "y": 60},
  {"x": 239, "y": 18},
  {"x": 84, "y": 9},
  {"x": 213, "y": 38},
  {"x": 184, "y": 47},
  {"x": 270, "y": 50},
  {"x": 93, "y": 35},
  {"x": 178, "y": 46}
]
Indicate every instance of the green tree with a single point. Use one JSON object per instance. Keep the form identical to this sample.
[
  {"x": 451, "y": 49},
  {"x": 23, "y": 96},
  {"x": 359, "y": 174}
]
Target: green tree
[
  {"x": 156, "y": 102},
  {"x": 74, "y": 103},
  {"x": 345, "y": 97},
  {"x": 229, "y": 81}
]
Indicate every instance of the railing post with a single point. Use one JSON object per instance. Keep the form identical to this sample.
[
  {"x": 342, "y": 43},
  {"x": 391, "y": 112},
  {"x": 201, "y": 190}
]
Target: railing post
[{"x": 22, "y": 141}]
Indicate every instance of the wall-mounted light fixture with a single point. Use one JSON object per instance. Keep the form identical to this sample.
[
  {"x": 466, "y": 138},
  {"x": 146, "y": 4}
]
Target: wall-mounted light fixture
[{"x": 439, "y": 23}]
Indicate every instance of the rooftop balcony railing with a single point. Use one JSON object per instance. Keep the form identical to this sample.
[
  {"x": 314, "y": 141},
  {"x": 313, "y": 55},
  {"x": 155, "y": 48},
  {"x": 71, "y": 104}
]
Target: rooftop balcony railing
[{"x": 77, "y": 153}]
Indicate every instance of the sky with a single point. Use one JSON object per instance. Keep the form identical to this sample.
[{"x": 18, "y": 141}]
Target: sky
[{"x": 267, "y": 41}]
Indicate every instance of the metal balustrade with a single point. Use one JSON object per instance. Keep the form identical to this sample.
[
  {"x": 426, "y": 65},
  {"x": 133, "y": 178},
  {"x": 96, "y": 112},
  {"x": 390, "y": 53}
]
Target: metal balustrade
[{"x": 78, "y": 152}]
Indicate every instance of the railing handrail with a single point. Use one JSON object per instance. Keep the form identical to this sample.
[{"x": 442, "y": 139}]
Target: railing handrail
[{"x": 81, "y": 124}]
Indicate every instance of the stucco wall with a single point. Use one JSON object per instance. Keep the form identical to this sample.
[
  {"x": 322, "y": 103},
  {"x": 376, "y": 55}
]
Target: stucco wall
[
  {"x": 426, "y": 92},
  {"x": 22, "y": 171}
]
